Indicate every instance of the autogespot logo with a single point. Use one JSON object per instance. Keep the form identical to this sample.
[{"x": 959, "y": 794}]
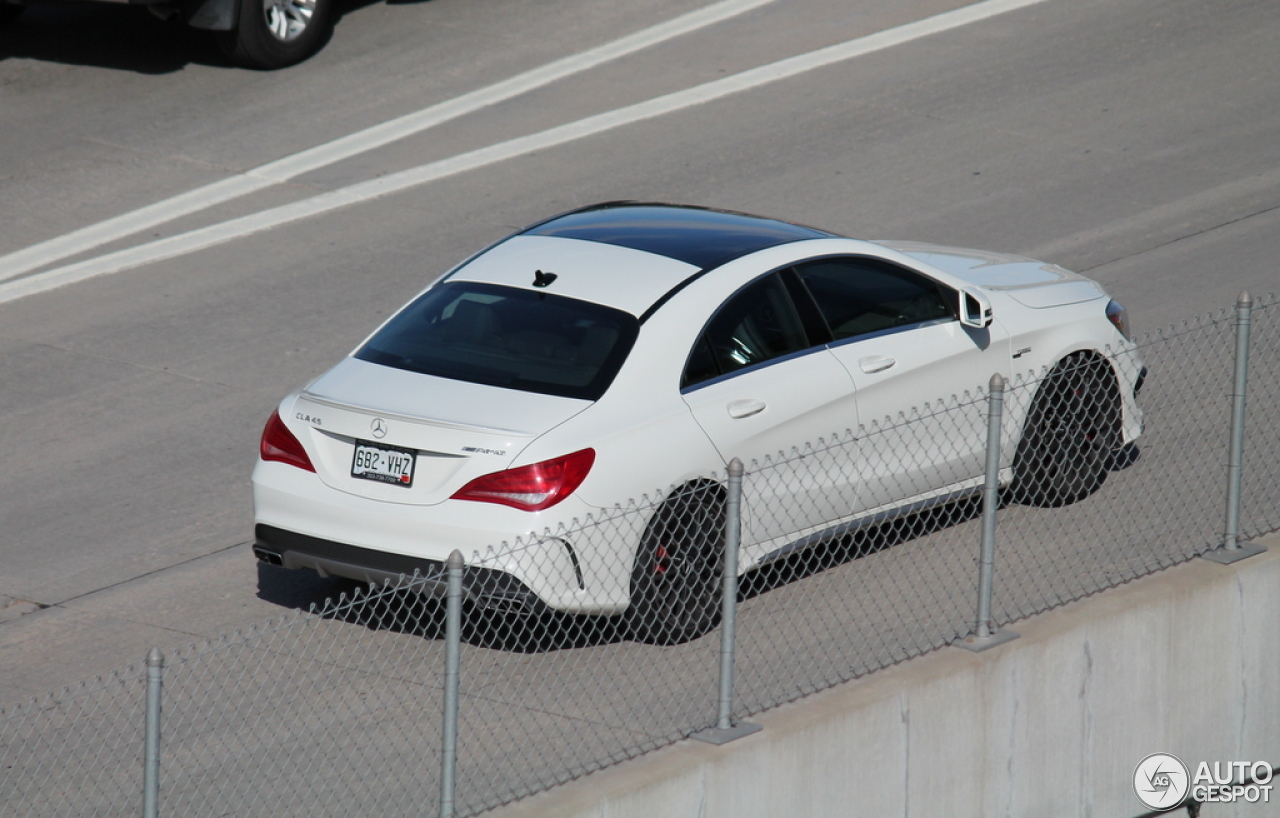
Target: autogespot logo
[{"x": 1161, "y": 781}]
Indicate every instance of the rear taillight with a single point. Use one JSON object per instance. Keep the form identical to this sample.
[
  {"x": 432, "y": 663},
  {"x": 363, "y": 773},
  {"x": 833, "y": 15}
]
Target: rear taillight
[
  {"x": 531, "y": 488},
  {"x": 279, "y": 444}
]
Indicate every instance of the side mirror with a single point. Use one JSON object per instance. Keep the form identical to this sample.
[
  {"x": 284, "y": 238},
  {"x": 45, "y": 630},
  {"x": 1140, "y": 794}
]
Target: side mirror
[{"x": 975, "y": 309}]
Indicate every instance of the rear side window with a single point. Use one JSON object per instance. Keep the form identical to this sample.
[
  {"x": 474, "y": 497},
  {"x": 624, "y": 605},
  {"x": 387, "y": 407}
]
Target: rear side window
[
  {"x": 756, "y": 325},
  {"x": 502, "y": 336}
]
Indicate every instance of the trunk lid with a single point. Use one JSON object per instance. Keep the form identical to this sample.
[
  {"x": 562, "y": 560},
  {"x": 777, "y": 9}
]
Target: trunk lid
[{"x": 452, "y": 431}]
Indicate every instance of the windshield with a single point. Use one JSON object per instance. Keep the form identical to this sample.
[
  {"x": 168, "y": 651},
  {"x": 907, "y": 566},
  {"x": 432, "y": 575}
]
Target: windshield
[{"x": 502, "y": 336}]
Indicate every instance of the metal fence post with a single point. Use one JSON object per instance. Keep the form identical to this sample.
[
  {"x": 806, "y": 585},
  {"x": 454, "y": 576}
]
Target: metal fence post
[
  {"x": 1232, "y": 550},
  {"x": 981, "y": 637},
  {"x": 452, "y": 641},
  {"x": 151, "y": 757},
  {"x": 725, "y": 730}
]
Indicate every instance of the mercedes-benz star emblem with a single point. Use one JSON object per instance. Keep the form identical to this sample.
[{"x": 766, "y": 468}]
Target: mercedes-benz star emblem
[{"x": 379, "y": 428}]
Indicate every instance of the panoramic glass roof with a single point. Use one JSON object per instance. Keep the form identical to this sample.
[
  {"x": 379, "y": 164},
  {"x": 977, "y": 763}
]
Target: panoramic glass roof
[{"x": 697, "y": 236}]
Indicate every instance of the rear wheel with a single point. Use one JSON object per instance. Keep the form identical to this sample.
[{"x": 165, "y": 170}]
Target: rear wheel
[
  {"x": 1070, "y": 432},
  {"x": 677, "y": 579},
  {"x": 277, "y": 33}
]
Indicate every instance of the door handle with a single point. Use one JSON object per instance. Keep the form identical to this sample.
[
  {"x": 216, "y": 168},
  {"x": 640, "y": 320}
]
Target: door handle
[
  {"x": 876, "y": 363},
  {"x": 739, "y": 409}
]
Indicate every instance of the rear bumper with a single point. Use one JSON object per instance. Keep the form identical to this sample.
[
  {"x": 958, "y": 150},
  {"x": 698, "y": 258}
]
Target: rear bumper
[
  {"x": 484, "y": 587},
  {"x": 311, "y": 525}
]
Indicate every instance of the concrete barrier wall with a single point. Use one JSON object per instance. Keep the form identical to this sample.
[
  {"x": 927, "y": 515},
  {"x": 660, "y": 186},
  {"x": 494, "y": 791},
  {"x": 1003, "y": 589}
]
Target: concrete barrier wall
[{"x": 1186, "y": 661}]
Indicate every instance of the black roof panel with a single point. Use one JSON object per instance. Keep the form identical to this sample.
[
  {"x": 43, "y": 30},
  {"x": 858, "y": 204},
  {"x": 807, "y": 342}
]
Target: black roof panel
[{"x": 698, "y": 236}]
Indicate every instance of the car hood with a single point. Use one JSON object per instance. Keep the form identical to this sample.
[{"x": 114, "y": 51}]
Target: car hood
[
  {"x": 1032, "y": 283},
  {"x": 457, "y": 430}
]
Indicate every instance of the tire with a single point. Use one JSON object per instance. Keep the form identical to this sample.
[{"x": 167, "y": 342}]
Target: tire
[
  {"x": 277, "y": 33},
  {"x": 1069, "y": 434},
  {"x": 9, "y": 12},
  {"x": 677, "y": 580}
]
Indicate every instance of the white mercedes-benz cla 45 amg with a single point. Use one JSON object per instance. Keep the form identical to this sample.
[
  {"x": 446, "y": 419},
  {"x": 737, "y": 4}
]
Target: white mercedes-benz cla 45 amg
[{"x": 625, "y": 349}]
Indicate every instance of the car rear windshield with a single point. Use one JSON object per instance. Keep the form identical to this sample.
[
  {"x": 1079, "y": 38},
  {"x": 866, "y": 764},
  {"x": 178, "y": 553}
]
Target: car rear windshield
[{"x": 503, "y": 336}]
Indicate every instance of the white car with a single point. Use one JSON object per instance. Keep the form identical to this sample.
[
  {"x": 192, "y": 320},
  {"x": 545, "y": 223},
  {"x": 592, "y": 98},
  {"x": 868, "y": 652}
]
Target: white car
[{"x": 624, "y": 348}]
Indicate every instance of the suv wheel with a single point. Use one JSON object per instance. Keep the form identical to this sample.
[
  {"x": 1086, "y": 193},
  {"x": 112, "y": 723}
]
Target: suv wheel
[{"x": 277, "y": 33}]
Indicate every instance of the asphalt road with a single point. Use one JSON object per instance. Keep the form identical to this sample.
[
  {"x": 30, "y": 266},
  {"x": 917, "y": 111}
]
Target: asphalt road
[{"x": 1132, "y": 141}]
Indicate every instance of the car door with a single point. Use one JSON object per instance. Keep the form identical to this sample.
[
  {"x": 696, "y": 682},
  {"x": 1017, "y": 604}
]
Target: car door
[
  {"x": 762, "y": 385},
  {"x": 896, "y": 333}
]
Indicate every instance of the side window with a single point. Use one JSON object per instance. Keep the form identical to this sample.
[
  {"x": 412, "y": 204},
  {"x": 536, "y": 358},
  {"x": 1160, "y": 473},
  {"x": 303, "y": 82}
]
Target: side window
[
  {"x": 755, "y": 325},
  {"x": 859, "y": 295}
]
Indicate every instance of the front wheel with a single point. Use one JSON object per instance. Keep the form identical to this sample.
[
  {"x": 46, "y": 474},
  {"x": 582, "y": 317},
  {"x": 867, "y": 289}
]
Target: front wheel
[
  {"x": 277, "y": 33},
  {"x": 677, "y": 580},
  {"x": 1070, "y": 432}
]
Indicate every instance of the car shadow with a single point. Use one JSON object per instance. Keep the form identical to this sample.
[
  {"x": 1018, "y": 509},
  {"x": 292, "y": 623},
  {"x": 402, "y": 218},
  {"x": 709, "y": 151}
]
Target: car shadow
[
  {"x": 544, "y": 632},
  {"x": 107, "y": 35},
  {"x": 302, "y": 590},
  {"x": 408, "y": 612},
  {"x": 858, "y": 544}
]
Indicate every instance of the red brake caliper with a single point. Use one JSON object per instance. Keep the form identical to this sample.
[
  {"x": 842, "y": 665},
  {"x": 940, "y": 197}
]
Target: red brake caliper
[{"x": 661, "y": 560}]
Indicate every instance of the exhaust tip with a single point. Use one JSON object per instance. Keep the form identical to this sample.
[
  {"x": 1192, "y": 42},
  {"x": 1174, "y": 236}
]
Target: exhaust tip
[{"x": 269, "y": 557}]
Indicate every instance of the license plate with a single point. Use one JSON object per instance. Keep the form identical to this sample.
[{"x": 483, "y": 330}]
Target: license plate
[{"x": 385, "y": 464}]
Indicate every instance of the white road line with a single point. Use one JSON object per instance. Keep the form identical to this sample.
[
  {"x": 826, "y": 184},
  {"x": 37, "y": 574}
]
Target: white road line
[
  {"x": 290, "y": 167},
  {"x": 365, "y": 191}
]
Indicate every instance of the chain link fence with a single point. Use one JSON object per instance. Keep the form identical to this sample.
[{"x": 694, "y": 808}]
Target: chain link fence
[{"x": 342, "y": 709}]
